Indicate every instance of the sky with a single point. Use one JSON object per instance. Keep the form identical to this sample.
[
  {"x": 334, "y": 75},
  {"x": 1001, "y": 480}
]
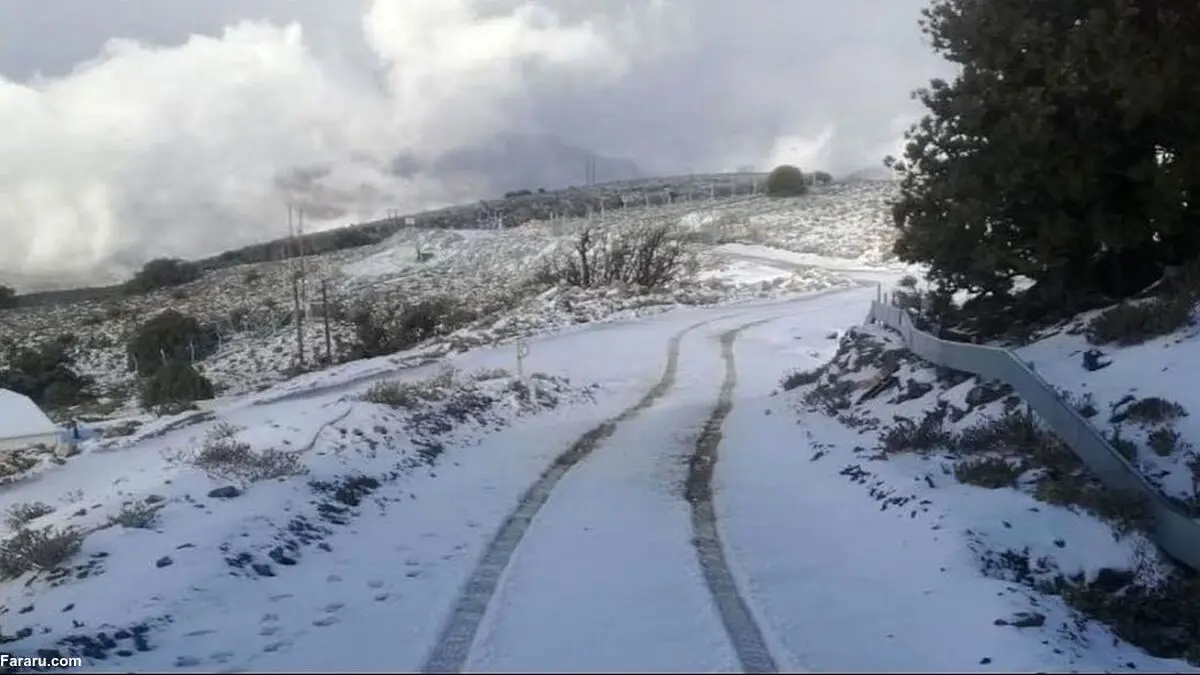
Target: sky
[{"x": 137, "y": 129}]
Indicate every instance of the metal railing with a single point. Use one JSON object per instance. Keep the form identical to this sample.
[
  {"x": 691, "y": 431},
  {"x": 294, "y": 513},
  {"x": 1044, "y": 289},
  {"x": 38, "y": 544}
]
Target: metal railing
[{"x": 1177, "y": 533}]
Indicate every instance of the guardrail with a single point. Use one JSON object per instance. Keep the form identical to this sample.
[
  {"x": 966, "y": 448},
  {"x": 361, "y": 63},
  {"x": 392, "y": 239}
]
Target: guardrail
[{"x": 1174, "y": 531}]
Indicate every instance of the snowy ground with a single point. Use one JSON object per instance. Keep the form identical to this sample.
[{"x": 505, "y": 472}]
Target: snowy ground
[
  {"x": 635, "y": 494},
  {"x": 599, "y": 567}
]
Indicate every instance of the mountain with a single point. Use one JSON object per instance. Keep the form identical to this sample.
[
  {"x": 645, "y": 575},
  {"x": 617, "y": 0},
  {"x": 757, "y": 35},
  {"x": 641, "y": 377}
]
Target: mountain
[{"x": 525, "y": 161}]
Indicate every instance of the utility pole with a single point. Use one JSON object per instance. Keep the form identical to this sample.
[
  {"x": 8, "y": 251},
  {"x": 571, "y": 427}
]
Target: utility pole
[
  {"x": 325, "y": 318},
  {"x": 297, "y": 316}
]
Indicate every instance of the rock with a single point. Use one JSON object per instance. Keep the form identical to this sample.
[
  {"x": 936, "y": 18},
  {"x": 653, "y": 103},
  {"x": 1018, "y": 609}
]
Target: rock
[
  {"x": 154, "y": 499},
  {"x": 913, "y": 390},
  {"x": 226, "y": 492},
  {"x": 48, "y": 653},
  {"x": 1112, "y": 580},
  {"x": 164, "y": 561},
  {"x": 263, "y": 569},
  {"x": 1027, "y": 620},
  {"x": 1092, "y": 362},
  {"x": 983, "y": 394}
]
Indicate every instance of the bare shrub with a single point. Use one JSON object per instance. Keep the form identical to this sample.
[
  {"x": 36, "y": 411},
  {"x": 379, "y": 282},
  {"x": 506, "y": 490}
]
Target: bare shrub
[
  {"x": 1134, "y": 323},
  {"x": 1150, "y": 410},
  {"x": 408, "y": 395},
  {"x": 647, "y": 256},
  {"x": 928, "y": 434},
  {"x": 44, "y": 549},
  {"x": 988, "y": 472},
  {"x": 800, "y": 378},
  {"x": 137, "y": 515},
  {"x": 20, "y": 515},
  {"x": 221, "y": 455}
]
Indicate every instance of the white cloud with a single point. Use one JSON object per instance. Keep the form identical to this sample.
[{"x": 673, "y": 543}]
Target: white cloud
[{"x": 192, "y": 147}]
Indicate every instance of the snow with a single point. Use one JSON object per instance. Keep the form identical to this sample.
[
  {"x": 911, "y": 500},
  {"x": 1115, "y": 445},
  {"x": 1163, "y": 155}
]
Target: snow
[{"x": 844, "y": 559}]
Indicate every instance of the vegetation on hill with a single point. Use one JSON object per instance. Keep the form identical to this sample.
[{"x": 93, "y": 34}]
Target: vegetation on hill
[
  {"x": 8, "y": 297},
  {"x": 1067, "y": 152},
  {"x": 786, "y": 180},
  {"x": 170, "y": 336},
  {"x": 46, "y": 374},
  {"x": 162, "y": 273}
]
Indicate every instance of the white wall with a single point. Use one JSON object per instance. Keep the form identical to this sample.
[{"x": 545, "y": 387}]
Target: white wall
[{"x": 20, "y": 443}]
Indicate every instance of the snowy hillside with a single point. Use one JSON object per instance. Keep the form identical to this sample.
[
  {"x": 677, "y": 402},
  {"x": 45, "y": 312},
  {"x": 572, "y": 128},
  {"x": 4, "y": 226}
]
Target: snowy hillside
[
  {"x": 687, "y": 472},
  {"x": 645, "y": 481},
  {"x": 492, "y": 269}
]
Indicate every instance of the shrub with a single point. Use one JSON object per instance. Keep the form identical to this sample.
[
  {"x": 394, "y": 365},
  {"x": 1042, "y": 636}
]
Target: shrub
[
  {"x": 988, "y": 472},
  {"x": 1149, "y": 410},
  {"x": 929, "y": 434},
  {"x": 1166, "y": 442},
  {"x": 47, "y": 374},
  {"x": 169, "y": 336},
  {"x": 20, "y": 515},
  {"x": 647, "y": 256},
  {"x": 175, "y": 382},
  {"x": 8, "y": 297},
  {"x": 408, "y": 395},
  {"x": 137, "y": 515},
  {"x": 786, "y": 180},
  {"x": 800, "y": 378},
  {"x": 386, "y": 329},
  {"x": 221, "y": 455},
  {"x": 1134, "y": 323},
  {"x": 40, "y": 550},
  {"x": 162, "y": 273},
  {"x": 821, "y": 178}
]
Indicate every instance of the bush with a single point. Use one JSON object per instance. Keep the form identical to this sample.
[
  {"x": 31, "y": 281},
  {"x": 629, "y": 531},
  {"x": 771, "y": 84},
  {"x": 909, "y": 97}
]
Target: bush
[
  {"x": 162, "y": 273},
  {"x": 221, "y": 455},
  {"x": 47, "y": 374},
  {"x": 8, "y": 297},
  {"x": 175, "y": 382},
  {"x": 821, "y": 178},
  {"x": 20, "y": 515},
  {"x": 1134, "y": 323},
  {"x": 786, "y": 180},
  {"x": 386, "y": 329},
  {"x": 800, "y": 378},
  {"x": 648, "y": 256},
  {"x": 137, "y": 515},
  {"x": 38, "y": 550},
  {"x": 411, "y": 394},
  {"x": 988, "y": 472},
  {"x": 170, "y": 336}
]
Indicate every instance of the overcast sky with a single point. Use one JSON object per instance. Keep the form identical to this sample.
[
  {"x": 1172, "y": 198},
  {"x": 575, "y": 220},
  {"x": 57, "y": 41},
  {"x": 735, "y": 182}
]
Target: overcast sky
[{"x": 139, "y": 128}]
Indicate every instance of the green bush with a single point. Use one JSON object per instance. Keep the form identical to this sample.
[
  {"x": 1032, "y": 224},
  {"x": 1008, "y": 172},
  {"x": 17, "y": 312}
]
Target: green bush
[
  {"x": 175, "y": 382},
  {"x": 162, "y": 273},
  {"x": 169, "y": 336},
  {"x": 786, "y": 180},
  {"x": 386, "y": 329},
  {"x": 8, "y": 297},
  {"x": 47, "y": 374}
]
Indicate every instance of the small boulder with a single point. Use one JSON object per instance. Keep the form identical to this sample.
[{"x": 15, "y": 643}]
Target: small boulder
[{"x": 226, "y": 492}]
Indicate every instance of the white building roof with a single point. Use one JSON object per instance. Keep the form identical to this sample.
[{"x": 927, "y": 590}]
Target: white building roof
[{"x": 20, "y": 417}]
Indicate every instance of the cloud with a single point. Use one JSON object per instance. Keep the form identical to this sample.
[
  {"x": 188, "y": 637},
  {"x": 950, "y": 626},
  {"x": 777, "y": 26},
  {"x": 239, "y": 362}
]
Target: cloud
[{"x": 190, "y": 146}]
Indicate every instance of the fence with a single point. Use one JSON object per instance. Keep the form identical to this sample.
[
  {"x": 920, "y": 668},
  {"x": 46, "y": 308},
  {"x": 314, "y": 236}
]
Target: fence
[{"x": 1174, "y": 531}]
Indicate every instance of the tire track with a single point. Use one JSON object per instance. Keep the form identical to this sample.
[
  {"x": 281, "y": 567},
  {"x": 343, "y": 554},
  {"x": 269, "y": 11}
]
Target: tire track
[
  {"x": 454, "y": 643},
  {"x": 743, "y": 630}
]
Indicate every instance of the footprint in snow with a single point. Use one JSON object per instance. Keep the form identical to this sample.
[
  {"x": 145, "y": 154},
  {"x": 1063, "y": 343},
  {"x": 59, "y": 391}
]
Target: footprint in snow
[{"x": 375, "y": 583}]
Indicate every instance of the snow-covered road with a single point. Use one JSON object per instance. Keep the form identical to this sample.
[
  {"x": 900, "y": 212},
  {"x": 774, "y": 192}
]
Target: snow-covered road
[{"x": 604, "y": 565}]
